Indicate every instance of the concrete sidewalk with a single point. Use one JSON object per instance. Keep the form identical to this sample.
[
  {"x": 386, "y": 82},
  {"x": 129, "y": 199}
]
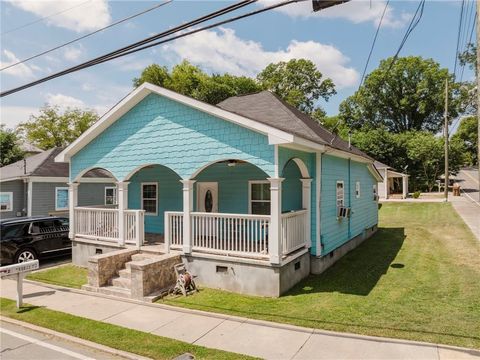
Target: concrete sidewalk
[
  {"x": 469, "y": 211},
  {"x": 256, "y": 338}
]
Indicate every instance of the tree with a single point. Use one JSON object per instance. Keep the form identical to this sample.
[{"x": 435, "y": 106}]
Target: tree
[
  {"x": 408, "y": 95},
  {"x": 298, "y": 82},
  {"x": 52, "y": 128},
  {"x": 467, "y": 134},
  {"x": 154, "y": 74},
  {"x": 10, "y": 151}
]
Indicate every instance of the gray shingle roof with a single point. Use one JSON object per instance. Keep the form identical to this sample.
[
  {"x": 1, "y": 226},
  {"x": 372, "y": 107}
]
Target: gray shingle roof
[
  {"x": 43, "y": 164},
  {"x": 268, "y": 108},
  {"x": 380, "y": 165}
]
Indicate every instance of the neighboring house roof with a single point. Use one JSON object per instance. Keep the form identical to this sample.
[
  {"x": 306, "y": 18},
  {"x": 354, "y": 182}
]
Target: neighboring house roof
[
  {"x": 43, "y": 165},
  {"x": 380, "y": 165},
  {"x": 270, "y": 109},
  {"x": 29, "y": 148}
]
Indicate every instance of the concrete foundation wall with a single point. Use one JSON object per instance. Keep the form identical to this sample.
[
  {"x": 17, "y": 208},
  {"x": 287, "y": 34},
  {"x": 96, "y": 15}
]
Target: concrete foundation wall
[
  {"x": 82, "y": 250},
  {"x": 319, "y": 264},
  {"x": 294, "y": 272},
  {"x": 101, "y": 268}
]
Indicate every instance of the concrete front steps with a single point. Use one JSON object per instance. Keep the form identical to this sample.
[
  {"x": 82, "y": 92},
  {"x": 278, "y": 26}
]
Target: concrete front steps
[{"x": 133, "y": 274}]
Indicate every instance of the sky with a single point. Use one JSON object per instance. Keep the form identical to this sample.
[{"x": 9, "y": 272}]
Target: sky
[{"x": 337, "y": 40}]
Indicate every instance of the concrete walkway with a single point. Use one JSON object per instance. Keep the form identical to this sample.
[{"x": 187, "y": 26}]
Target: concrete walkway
[
  {"x": 468, "y": 205},
  {"x": 256, "y": 338}
]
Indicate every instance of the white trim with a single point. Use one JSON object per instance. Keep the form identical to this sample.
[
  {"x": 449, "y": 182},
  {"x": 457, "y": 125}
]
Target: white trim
[
  {"x": 276, "y": 165},
  {"x": 358, "y": 188},
  {"x": 140, "y": 93},
  {"x": 343, "y": 192},
  {"x": 56, "y": 197},
  {"x": 318, "y": 190},
  {"x": 156, "y": 199},
  {"x": 250, "y": 183},
  {"x": 53, "y": 179},
  {"x": 207, "y": 183},
  {"x": 10, "y": 207},
  {"x": 30, "y": 198},
  {"x": 115, "y": 199},
  {"x": 49, "y": 179}
]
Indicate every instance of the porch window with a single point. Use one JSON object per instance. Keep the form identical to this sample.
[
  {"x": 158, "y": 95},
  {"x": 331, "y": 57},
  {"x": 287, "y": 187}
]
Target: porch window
[
  {"x": 61, "y": 198},
  {"x": 357, "y": 189},
  {"x": 150, "y": 198},
  {"x": 260, "y": 197},
  {"x": 6, "y": 201},
  {"x": 110, "y": 195},
  {"x": 340, "y": 194}
]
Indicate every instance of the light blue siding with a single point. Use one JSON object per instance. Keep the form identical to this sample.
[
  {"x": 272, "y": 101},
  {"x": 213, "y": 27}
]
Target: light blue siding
[
  {"x": 169, "y": 195},
  {"x": 291, "y": 187},
  {"x": 161, "y": 131},
  {"x": 335, "y": 232},
  {"x": 309, "y": 159},
  {"x": 232, "y": 185}
]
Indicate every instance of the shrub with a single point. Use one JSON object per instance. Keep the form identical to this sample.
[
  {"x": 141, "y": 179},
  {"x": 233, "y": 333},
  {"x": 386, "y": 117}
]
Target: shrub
[{"x": 416, "y": 194}]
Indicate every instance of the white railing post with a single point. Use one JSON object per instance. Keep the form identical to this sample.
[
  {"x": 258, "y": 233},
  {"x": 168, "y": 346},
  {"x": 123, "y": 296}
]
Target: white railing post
[
  {"x": 275, "y": 229},
  {"x": 306, "y": 204},
  {"x": 72, "y": 204},
  {"x": 187, "y": 209},
  {"x": 122, "y": 196},
  {"x": 139, "y": 227},
  {"x": 166, "y": 232}
]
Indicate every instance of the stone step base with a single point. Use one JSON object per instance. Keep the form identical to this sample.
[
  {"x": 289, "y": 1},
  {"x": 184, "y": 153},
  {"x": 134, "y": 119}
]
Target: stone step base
[
  {"x": 124, "y": 283},
  {"x": 109, "y": 290},
  {"x": 145, "y": 256},
  {"x": 125, "y": 273}
]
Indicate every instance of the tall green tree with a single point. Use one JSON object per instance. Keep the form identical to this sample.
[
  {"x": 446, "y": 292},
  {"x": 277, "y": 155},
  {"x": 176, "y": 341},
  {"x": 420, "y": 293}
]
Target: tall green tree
[
  {"x": 467, "y": 134},
  {"x": 52, "y": 127},
  {"x": 298, "y": 82},
  {"x": 10, "y": 151},
  {"x": 404, "y": 96}
]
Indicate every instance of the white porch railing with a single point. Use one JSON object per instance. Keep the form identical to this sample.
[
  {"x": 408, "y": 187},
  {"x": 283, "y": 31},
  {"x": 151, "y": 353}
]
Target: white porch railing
[
  {"x": 236, "y": 234},
  {"x": 173, "y": 231},
  {"x": 102, "y": 224},
  {"x": 294, "y": 231}
]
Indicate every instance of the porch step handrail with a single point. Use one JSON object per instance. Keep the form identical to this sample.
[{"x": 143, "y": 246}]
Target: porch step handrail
[
  {"x": 102, "y": 224},
  {"x": 294, "y": 233}
]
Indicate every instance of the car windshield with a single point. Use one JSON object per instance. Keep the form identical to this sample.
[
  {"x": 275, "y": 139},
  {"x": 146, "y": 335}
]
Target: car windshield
[{"x": 14, "y": 231}]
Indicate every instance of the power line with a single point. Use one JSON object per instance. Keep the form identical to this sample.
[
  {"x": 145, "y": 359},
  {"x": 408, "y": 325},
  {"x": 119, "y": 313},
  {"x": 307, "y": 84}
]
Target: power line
[
  {"x": 87, "y": 35},
  {"x": 136, "y": 47},
  {"x": 43, "y": 18},
  {"x": 472, "y": 30},
  {"x": 460, "y": 22},
  {"x": 373, "y": 44}
]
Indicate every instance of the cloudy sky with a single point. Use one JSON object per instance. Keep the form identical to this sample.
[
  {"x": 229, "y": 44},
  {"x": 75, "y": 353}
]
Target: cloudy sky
[{"x": 337, "y": 40}]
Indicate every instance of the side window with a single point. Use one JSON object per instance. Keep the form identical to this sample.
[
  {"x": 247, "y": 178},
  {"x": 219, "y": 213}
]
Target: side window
[
  {"x": 6, "y": 201},
  {"x": 149, "y": 198},
  {"x": 42, "y": 227},
  {"x": 14, "y": 231},
  {"x": 61, "y": 198},
  {"x": 110, "y": 195},
  {"x": 357, "y": 189},
  {"x": 340, "y": 194}
]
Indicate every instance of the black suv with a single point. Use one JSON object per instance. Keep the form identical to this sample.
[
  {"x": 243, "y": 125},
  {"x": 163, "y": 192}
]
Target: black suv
[{"x": 30, "y": 238}]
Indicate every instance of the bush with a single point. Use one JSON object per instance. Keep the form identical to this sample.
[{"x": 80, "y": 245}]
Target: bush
[{"x": 416, "y": 194}]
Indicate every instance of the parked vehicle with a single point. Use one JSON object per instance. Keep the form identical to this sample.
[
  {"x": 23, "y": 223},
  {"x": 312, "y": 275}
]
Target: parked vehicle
[{"x": 30, "y": 238}]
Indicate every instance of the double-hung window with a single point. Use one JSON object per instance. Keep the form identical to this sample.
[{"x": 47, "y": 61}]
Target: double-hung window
[
  {"x": 340, "y": 194},
  {"x": 6, "y": 201},
  {"x": 61, "y": 198},
  {"x": 150, "y": 198},
  {"x": 260, "y": 197},
  {"x": 110, "y": 195}
]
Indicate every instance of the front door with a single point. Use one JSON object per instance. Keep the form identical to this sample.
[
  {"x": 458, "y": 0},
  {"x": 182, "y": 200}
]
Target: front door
[{"x": 207, "y": 197}]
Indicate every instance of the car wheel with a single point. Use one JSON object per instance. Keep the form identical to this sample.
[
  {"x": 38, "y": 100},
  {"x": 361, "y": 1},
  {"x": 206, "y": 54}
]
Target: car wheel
[{"x": 25, "y": 255}]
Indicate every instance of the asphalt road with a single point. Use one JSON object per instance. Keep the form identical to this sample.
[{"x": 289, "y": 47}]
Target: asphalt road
[
  {"x": 21, "y": 343},
  {"x": 468, "y": 180}
]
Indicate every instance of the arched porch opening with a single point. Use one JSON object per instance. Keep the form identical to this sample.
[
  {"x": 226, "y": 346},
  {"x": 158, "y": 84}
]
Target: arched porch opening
[
  {"x": 293, "y": 173},
  {"x": 97, "y": 187}
]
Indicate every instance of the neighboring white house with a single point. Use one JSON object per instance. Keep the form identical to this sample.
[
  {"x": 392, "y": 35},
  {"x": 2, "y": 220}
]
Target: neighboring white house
[{"x": 394, "y": 184}]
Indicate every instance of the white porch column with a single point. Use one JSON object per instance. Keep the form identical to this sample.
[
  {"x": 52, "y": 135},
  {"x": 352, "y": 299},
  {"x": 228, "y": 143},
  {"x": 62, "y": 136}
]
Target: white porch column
[
  {"x": 387, "y": 188},
  {"x": 275, "y": 229},
  {"x": 122, "y": 199},
  {"x": 306, "y": 204},
  {"x": 404, "y": 186},
  {"x": 187, "y": 209},
  {"x": 72, "y": 204}
]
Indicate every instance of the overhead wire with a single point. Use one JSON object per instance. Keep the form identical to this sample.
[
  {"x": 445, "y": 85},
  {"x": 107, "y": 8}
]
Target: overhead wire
[
  {"x": 137, "y": 46},
  {"x": 88, "y": 35},
  {"x": 43, "y": 18}
]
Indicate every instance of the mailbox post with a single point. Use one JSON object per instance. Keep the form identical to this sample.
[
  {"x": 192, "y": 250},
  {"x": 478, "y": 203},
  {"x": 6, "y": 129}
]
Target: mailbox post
[{"x": 19, "y": 270}]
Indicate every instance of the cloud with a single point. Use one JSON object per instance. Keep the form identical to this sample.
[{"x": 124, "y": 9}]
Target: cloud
[
  {"x": 73, "y": 53},
  {"x": 21, "y": 70},
  {"x": 356, "y": 11},
  {"x": 64, "y": 101},
  {"x": 11, "y": 116},
  {"x": 69, "y": 14},
  {"x": 222, "y": 51}
]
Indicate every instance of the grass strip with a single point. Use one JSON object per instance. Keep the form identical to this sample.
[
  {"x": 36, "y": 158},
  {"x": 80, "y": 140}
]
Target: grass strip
[{"x": 66, "y": 275}]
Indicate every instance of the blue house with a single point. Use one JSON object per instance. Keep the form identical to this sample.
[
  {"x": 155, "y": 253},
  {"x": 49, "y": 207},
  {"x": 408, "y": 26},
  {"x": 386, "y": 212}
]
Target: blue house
[{"x": 252, "y": 194}]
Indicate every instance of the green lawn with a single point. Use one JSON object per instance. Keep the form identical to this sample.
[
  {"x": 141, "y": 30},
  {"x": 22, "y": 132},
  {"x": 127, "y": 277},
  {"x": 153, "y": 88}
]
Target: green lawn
[
  {"x": 66, "y": 275},
  {"x": 137, "y": 342},
  {"x": 418, "y": 278}
]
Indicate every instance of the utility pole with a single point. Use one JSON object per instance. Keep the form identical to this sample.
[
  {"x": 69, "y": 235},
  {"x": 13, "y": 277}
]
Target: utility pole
[
  {"x": 446, "y": 139},
  {"x": 478, "y": 95}
]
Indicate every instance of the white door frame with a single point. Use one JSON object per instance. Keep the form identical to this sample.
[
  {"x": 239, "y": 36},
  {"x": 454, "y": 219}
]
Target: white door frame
[{"x": 202, "y": 188}]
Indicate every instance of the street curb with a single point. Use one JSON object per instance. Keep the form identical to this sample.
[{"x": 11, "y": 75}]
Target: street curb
[
  {"x": 261, "y": 322},
  {"x": 74, "y": 339}
]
